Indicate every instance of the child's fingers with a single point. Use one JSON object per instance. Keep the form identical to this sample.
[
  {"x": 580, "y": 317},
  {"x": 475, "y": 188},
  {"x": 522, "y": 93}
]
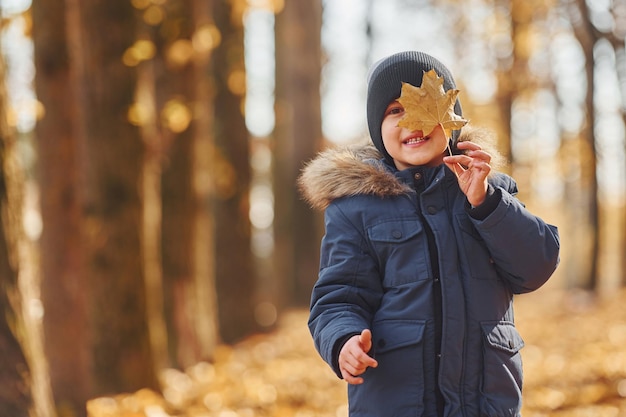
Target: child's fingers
[
  {"x": 366, "y": 340},
  {"x": 480, "y": 154},
  {"x": 457, "y": 159},
  {"x": 350, "y": 379},
  {"x": 360, "y": 361},
  {"x": 473, "y": 150},
  {"x": 367, "y": 361},
  {"x": 467, "y": 145},
  {"x": 353, "y": 360},
  {"x": 351, "y": 368},
  {"x": 473, "y": 158}
]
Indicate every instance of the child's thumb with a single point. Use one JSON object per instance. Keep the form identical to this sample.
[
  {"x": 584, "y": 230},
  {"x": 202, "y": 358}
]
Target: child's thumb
[{"x": 365, "y": 339}]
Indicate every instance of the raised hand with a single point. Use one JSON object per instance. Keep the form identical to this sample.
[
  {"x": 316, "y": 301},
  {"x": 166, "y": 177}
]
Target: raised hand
[{"x": 471, "y": 168}]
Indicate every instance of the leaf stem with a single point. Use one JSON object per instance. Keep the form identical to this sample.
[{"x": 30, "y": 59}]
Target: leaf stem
[{"x": 457, "y": 164}]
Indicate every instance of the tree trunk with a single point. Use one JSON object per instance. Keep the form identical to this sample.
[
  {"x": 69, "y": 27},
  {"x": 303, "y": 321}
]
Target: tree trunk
[
  {"x": 620, "y": 64},
  {"x": 15, "y": 379},
  {"x": 204, "y": 258},
  {"x": 111, "y": 162},
  {"x": 297, "y": 137},
  {"x": 188, "y": 287},
  {"x": 234, "y": 271},
  {"x": 63, "y": 286},
  {"x": 92, "y": 211},
  {"x": 504, "y": 75},
  {"x": 15, "y": 376},
  {"x": 584, "y": 32}
]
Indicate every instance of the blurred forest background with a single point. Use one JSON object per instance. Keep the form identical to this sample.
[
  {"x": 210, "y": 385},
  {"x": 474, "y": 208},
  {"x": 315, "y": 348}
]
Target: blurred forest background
[{"x": 149, "y": 153}]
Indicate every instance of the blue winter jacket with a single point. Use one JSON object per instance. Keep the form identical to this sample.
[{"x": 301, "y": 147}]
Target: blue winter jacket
[{"x": 376, "y": 273}]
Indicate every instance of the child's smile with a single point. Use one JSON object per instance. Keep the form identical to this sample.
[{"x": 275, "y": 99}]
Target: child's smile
[{"x": 415, "y": 139}]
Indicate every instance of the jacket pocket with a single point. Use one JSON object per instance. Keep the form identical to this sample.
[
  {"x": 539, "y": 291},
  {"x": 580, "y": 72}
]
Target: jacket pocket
[
  {"x": 502, "y": 370},
  {"x": 398, "y": 381},
  {"x": 395, "y": 334},
  {"x": 401, "y": 250}
]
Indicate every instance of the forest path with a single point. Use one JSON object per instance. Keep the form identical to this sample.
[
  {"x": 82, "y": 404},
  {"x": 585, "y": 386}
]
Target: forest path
[{"x": 574, "y": 365}]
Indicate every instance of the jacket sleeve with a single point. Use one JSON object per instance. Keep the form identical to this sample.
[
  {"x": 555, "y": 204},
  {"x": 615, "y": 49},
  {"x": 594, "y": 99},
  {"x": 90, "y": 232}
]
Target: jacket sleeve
[
  {"x": 523, "y": 247},
  {"x": 348, "y": 289}
]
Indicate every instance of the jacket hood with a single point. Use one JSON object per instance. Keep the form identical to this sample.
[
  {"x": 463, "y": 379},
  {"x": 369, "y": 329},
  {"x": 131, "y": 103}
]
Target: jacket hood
[{"x": 361, "y": 170}]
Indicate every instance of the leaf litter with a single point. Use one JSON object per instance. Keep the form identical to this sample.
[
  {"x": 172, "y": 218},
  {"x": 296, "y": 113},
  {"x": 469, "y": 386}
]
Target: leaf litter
[{"x": 574, "y": 366}]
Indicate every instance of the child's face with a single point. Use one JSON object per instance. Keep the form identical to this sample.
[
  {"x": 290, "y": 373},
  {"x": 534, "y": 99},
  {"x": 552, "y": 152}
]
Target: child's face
[{"x": 409, "y": 149}]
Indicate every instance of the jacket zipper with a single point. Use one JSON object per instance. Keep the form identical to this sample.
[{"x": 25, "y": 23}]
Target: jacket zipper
[{"x": 437, "y": 295}]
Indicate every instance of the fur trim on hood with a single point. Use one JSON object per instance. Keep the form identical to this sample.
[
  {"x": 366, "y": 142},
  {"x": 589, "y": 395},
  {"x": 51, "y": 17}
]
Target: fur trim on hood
[{"x": 359, "y": 169}]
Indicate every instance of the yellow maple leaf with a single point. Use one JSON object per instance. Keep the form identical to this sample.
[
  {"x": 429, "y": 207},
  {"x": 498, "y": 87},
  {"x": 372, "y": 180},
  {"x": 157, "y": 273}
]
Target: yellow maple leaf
[{"x": 429, "y": 106}]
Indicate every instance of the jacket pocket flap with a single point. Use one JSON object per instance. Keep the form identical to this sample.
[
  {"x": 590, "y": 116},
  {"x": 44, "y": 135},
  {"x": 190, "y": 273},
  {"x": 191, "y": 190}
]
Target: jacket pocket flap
[
  {"x": 503, "y": 335},
  {"x": 393, "y": 334},
  {"x": 395, "y": 231}
]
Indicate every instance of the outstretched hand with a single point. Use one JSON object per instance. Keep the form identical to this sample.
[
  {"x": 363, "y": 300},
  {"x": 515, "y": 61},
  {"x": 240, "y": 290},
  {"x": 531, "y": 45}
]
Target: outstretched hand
[
  {"x": 471, "y": 168},
  {"x": 353, "y": 357}
]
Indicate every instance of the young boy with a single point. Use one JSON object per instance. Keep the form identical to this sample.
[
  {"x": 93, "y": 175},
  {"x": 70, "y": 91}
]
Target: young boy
[{"x": 425, "y": 247}]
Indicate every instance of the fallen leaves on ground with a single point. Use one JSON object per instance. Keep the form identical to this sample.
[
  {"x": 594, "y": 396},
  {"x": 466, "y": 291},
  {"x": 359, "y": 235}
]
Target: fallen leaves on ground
[
  {"x": 574, "y": 365},
  {"x": 575, "y": 354}
]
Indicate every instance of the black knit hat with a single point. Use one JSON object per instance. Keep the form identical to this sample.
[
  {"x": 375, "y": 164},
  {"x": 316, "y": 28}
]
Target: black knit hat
[{"x": 384, "y": 85}]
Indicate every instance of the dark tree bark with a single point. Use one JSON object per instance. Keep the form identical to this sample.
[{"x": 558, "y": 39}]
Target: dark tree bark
[
  {"x": 92, "y": 211},
  {"x": 297, "y": 137},
  {"x": 63, "y": 286},
  {"x": 111, "y": 161}
]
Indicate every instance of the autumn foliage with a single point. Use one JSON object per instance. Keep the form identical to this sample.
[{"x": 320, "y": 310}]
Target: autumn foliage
[{"x": 574, "y": 362}]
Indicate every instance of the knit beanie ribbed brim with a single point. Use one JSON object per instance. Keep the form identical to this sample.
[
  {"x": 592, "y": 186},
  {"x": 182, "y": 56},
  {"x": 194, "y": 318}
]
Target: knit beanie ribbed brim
[{"x": 384, "y": 85}]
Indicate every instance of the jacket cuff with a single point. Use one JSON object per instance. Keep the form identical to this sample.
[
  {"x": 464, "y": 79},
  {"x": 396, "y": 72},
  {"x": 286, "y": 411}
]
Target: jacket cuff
[
  {"x": 492, "y": 199},
  {"x": 337, "y": 348}
]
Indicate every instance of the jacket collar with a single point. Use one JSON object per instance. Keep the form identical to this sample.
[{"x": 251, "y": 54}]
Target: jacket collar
[
  {"x": 361, "y": 170},
  {"x": 428, "y": 175}
]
